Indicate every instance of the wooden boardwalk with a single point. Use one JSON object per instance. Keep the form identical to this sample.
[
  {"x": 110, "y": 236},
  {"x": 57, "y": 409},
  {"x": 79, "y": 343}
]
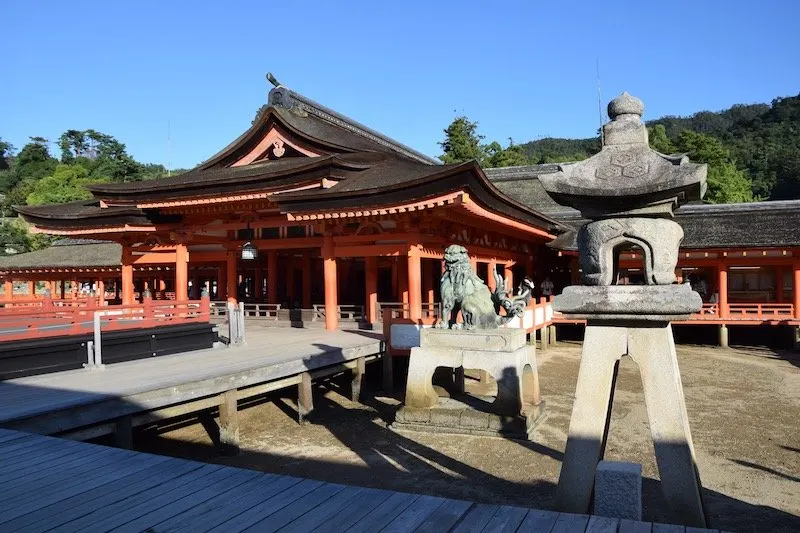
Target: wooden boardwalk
[
  {"x": 97, "y": 401},
  {"x": 52, "y": 484}
]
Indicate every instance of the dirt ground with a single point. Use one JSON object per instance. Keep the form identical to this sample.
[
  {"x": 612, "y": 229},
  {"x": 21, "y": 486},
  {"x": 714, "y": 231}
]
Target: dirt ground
[{"x": 744, "y": 411}]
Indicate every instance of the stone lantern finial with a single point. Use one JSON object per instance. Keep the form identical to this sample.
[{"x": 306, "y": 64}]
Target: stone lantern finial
[
  {"x": 625, "y": 104},
  {"x": 626, "y": 127}
]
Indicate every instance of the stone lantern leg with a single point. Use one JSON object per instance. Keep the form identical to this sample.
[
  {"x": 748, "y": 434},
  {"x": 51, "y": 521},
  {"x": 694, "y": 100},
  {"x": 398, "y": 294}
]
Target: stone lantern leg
[{"x": 629, "y": 192}]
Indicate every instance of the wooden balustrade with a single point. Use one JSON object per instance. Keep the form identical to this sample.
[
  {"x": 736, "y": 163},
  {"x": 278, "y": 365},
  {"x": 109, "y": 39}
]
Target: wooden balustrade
[{"x": 53, "y": 321}]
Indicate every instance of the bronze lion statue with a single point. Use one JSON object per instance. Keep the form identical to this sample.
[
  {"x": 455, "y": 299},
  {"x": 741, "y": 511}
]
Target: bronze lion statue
[{"x": 462, "y": 290}]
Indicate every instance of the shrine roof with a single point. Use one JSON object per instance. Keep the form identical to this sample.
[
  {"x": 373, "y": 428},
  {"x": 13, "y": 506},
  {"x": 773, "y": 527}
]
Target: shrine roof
[{"x": 69, "y": 253}]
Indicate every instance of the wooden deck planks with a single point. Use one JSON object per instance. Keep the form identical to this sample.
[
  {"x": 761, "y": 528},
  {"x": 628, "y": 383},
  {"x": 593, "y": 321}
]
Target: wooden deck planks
[{"x": 108, "y": 489}]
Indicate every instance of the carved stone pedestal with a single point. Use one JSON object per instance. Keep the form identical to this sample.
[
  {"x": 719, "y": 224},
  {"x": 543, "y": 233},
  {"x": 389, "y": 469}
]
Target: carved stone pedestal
[
  {"x": 503, "y": 353},
  {"x": 647, "y": 339}
]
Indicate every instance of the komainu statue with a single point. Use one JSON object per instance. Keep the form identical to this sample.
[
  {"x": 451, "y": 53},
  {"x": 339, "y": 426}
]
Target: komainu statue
[{"x": 462, "y": 290}]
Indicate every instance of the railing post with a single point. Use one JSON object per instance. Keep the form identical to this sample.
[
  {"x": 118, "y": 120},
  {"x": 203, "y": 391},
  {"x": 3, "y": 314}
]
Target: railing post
[
  {"x": 232, "y": 322},
  {"x": 205, "y": 306},
  {"x": 98, "y": 343},
  {"x": 241, "y": 324},
  {"x": 388, "y": 364}
]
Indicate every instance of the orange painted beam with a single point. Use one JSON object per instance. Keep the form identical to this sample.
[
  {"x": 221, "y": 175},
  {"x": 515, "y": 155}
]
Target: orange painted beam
[
  {"x": 372, "y": 250},
  {"x": 153, "y": 258}
]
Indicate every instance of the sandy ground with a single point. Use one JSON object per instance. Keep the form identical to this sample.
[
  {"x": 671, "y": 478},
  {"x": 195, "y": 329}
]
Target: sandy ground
[{"x": 743, "y": 404}]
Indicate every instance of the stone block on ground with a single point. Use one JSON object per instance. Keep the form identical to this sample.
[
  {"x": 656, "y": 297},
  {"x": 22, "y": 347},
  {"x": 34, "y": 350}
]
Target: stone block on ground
[{"x": 618, "y": 490}]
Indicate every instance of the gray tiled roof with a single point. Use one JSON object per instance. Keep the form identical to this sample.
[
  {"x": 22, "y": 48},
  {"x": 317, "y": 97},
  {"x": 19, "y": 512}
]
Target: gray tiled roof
[
  {"x": 69, "y": 253},
  {"x": 756, "y": 224}
]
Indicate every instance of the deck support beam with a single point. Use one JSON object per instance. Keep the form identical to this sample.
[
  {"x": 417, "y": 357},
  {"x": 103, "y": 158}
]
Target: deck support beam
[
  {"x": 229, "y": 423},
  {"x": 723, "y": 336},
  {"x": 123, "y": 432},
  {"x": 544, "y": 338},
  {"x": 305, "y": 398},
  {"x": 358, "y": 378}
]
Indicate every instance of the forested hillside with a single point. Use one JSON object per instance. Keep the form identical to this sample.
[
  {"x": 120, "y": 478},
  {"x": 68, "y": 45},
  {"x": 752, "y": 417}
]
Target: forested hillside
[
  {"x": 760, "y": 141},
  {"x": 33, "y": 176}
]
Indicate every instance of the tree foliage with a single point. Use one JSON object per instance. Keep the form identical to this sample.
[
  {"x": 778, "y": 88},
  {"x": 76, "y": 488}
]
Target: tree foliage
[
  {"x": 463, "y": 143},
  {"x": 67, "y": 184}
]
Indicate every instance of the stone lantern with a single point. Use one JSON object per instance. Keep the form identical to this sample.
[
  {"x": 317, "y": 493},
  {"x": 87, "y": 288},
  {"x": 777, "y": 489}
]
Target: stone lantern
[{"x": 629, "y": 192}]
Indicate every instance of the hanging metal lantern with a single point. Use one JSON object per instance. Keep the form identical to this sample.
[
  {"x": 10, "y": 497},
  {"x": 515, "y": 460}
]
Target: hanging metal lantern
[{"x": 249, "y": 250}]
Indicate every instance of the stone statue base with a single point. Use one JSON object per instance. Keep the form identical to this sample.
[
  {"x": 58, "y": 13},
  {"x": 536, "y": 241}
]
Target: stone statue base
[
  {"x": 503, "y": 353},
  {"x": 640, "y": 329}
]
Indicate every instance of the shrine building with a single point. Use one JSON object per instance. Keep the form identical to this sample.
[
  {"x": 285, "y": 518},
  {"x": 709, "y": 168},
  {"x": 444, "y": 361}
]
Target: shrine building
[{"x": 309, "y": 210}]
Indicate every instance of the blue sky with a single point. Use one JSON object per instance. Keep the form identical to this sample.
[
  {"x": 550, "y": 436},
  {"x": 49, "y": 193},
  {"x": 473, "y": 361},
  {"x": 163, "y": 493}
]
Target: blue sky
[{"x": 521, "y": 69}]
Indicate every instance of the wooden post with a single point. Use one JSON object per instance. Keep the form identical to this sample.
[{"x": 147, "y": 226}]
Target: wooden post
[
  {"x": 779, "y": 285},
  {"x": 101, "y": 291},
  {"x": 490, "y": 282},
  {"x": 31, "y": 289},
  {"x": 272, "y": 276},
  {"x": 306, "y": 280},
  {"x": 8, "y": 289},
  {"x": 414, "y": 283},
  {"x": 127, "y": 276},
  {"x": 181, "y": 272},
  {"x": 509, "y": 276},
  {"x": 230, "y": 277},
  {"x": 371, "y": 288},
  {"x": 358, "y": 375},
  {"x": 427, "y": 287},
  {"x": 228, "y": 424},
  {"x": 722, "y": 286},
  {"x": 123, "y": 432},
  {"x": 290, "y": 295},
  {"x": 305, "y": 399},
  {"x": 796, "y": 290},
  {"x": 331, "y": 285},
  {"x": 221, "y": 293}
]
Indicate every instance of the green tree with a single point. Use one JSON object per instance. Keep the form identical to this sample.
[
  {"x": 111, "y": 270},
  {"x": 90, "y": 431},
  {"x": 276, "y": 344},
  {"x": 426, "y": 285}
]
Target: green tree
[
  {"x": 6, "y": 153},
  {"x": 462, "y": 142},
  {"x": 511, "y": 156},
  {"x": 726, "y": 184},
  {"x": 67, "y": 184},
  {"x": 659, "y": 140}
]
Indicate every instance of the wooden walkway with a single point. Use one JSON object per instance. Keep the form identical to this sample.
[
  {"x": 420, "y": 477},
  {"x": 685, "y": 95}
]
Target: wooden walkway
[
  {"x": 162, "y": 387},
  {"x": 52, "y": 484}
]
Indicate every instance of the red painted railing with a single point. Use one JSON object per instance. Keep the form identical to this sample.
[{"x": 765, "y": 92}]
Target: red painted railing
[
  {"x": 751, "y": 313},
  {"x": 53, "y": 321}
]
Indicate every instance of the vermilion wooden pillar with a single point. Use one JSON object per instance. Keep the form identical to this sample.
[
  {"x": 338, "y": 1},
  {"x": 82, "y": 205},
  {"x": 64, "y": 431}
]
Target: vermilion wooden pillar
[
  {"x": 509, "y": 276},
  {"x": 272, "y": 276},
  {"x": 779, "y": 285},
  {"x": 796, "y": 289},
  {"x": 181, "y": 272},
  {"x": 414, "y": 283},
  {"x": 257, "y": 282},
  {"x": 306, "y": 280},
  {"x": 221, "y": 292},
  {"x": 427, "y": 285},
  {"x": 8, "y": 289},
  {"x": 31, "y": 288},
  {"x": 371, "y": 288},
  {"x": 101, "y": 291},
  {"x": 402, "y": 279},
  {"x": 230, "y": 277},
  {"x": 127, "y": 277},
  {"x": 331, "y": 284},
  {"x": 290, "y": 295},
  {"x": 722, "y": 285},
  {"x": 490, "y": 274}
]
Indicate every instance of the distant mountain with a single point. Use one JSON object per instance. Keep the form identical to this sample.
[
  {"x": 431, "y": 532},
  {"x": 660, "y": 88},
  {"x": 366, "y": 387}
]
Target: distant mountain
[{"x": 763, "y": 140}]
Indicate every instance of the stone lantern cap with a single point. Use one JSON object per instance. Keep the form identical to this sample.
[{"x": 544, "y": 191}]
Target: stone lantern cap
[{"x": 627, "y": 177}]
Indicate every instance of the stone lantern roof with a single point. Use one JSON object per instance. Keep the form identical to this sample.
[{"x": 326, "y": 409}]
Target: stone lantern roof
[{"x": 627, "y": 177}]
